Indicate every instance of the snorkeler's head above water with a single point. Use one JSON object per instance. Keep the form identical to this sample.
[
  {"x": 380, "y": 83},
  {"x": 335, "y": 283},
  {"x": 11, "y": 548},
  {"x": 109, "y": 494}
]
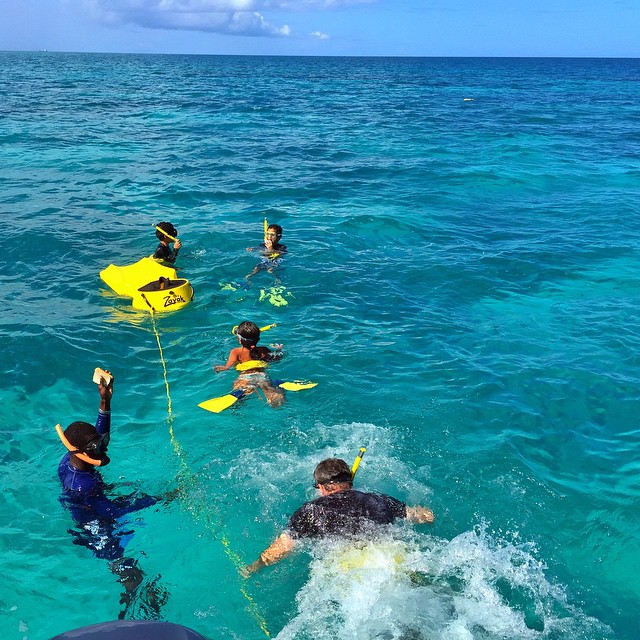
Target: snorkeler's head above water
[
  {"x": 274, "y": 231},
  {"x": 332, "y": 471},
  {"x": 166, "y": 231},
  {"x": 248, "y": 333},
  {"x": 85, "y": 443}
]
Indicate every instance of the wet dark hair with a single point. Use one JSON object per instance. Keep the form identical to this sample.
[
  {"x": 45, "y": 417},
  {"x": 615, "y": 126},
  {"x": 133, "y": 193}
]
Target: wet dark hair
[
  {"x": 332, "y": 471},
  {"x": 168, "y": 227},
  {"x": 249, "y": 334},
  {"x": 80, "y": 434},
  {"x": 277, "y": 228}
]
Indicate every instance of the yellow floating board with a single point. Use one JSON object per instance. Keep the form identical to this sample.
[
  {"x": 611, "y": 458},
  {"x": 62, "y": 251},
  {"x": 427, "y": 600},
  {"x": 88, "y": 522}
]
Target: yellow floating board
[{"x": 151, "y": 285}]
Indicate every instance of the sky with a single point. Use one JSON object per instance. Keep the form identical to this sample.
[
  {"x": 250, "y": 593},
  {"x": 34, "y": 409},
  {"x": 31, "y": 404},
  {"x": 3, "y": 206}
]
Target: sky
[{"x": 566, "y": 28}]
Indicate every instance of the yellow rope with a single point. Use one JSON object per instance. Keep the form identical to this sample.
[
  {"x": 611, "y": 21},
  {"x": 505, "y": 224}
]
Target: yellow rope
[{"x": 186, "y": 473}]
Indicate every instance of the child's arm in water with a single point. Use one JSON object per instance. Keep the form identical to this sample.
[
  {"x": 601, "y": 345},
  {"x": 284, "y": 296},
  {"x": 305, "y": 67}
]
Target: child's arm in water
[{"x": 233, "y": 359}]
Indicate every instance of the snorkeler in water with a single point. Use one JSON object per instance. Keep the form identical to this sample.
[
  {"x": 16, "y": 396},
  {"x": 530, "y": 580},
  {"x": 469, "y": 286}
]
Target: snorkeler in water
[
  {"x": 251, "y": 361},
  {"x": 271, "y": 250},
  {"x": 339, "y": 511},
  {"x": 100, "y": 521},
  {"x": 167, "y": 233}
]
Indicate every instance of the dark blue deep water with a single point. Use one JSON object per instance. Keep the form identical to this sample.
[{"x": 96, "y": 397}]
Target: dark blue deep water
[{"x": 462, "y": 282}]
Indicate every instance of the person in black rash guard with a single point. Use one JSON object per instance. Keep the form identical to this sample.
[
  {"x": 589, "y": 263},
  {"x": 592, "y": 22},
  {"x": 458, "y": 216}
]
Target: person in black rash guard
[
  {"x": 100, "y": 521},
  {"x": 163, "y": 251},
  {"x": 339, "y": 511}
]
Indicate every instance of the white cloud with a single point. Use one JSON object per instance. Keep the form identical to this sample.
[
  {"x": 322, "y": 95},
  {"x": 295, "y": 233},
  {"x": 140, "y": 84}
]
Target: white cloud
[
  {"x": 234, "y": 17},
  {"x": 319, "y": 35}
]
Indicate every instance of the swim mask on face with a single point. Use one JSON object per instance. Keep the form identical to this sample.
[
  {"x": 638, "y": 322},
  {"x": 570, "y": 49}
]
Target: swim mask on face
[
  {"x": 248, "y": 333},
  {"x": 97, "y": 448},
  {"x": 94, "y": 452}
]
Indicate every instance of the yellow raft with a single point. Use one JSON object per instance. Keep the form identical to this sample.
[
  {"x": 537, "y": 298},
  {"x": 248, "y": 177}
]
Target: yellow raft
[{"x": 152, "y": 286}]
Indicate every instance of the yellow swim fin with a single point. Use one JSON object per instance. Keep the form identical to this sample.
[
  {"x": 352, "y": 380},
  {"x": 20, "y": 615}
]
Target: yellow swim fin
[
  {"x": 295, "y": 385},
  {"x": 216, "y": 405}
]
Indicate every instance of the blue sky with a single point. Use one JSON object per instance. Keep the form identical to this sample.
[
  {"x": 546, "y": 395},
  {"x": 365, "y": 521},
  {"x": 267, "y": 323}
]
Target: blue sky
[{"x": 599, "y": 28}]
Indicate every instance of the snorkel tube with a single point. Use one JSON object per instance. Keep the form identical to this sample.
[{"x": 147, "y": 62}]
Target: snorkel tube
[
  {"x": 165, "y": 233},
  {"x": 234, "y": 330},
  {"x": 264, "y": 230},
  {"x": 356, "y": 462},
  {"x": 77, "y": 453}
]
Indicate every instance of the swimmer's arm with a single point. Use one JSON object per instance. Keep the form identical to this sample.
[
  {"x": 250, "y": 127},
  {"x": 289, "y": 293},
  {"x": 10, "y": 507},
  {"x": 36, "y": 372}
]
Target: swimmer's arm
[
  {"x": 281, "y": 547},
  {"x": 172, "y": 257},
  {"x": 233, "y": 359},
  {"x": 105, "y": 391},
  {"x": 420, "y": 515},
  {"x": 164, "y": 252}
]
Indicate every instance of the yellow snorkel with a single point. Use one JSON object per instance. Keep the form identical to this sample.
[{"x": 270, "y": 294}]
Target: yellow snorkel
[
  {"x": 165, "y": 233},
  {"x": 234, "y": 330},
  {"x": 356, "y": 462},
  {"x": 264, "y": 230}
]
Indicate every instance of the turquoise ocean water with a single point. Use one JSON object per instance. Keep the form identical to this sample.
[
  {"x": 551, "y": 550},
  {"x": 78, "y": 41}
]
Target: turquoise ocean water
[{"x": 462, "y": 283}]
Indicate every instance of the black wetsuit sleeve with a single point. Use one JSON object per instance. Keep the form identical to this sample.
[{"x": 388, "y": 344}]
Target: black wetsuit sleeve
[
  {"x": 164, "y": 253},
  {"x": 398, "y": 509}
]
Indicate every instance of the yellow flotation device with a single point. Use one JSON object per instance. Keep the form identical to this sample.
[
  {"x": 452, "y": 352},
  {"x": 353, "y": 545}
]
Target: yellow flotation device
[
  {"x": 152, "y": 286},
  {"x": 251, "y": 364},
  {"x": 388, "y": 555}
]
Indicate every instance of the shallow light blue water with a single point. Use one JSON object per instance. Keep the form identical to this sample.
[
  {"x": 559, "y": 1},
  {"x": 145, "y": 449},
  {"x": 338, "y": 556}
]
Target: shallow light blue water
[{"x": 462, "y": 282}]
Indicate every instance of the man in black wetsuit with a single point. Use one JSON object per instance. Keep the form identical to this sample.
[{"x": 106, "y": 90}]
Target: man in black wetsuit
[{"x": 340, "y": 510}]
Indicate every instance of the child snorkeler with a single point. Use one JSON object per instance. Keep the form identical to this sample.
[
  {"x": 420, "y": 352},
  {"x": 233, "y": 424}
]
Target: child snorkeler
[
  {"x": 166, "y": 233},
  {"x": 251, "y": 361},
  {"x": 271, "y": 249}
]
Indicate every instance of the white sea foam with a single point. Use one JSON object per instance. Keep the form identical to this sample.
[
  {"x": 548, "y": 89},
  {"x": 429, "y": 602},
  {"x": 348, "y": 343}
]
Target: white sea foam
[{"x": 410, "y": 586}]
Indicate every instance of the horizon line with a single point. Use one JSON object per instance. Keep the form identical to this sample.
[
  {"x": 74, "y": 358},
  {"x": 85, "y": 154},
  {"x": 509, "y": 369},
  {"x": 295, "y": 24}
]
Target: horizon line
[{"x": 301, "y": 55}]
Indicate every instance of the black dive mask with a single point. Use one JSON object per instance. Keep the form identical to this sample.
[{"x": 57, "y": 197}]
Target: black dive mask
[{"x": 97, "y": 447}]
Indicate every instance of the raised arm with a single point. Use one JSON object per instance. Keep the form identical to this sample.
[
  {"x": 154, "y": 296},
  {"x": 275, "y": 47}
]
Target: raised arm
[
  {"x": 103, "y": 423},
  {"x": 106, "y": 392}
]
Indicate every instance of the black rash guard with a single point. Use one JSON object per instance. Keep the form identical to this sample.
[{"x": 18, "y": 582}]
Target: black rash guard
[
  {"x": 344, "y": 513},
  {"x": 163, "y": 252}
]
